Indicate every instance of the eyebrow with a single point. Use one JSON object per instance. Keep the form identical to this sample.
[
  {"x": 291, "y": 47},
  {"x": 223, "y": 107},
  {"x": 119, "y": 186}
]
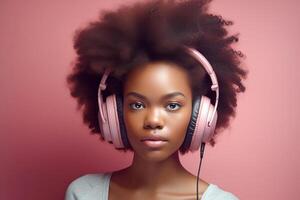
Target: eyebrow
[{"x": 167, "y": 96}]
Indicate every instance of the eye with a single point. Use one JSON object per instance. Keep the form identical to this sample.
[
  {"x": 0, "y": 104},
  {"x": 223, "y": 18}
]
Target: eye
[
  {"x": 136, "y": 106},
  {"x": 173, "y": 106}
]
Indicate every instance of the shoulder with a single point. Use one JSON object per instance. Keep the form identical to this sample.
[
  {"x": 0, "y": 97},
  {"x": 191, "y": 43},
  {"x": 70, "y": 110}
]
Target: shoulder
[
  {"x": 85, "y": 185},
  {"x": 213, "y": 192}
]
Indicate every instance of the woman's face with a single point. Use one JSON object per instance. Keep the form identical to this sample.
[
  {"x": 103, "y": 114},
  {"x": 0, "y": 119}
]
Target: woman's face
[{"x": 157, "y": 109}]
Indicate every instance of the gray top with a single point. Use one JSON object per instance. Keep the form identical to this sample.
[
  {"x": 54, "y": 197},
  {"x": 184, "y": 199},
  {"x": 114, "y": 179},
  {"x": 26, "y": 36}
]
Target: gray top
[{"x": 95, "y": 187}]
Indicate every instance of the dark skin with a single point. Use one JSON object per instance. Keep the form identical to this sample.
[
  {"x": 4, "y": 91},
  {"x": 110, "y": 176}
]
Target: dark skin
[{"x": 157, "y": 101}]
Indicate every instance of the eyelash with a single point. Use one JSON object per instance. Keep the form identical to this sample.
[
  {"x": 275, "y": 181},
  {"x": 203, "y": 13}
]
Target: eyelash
[{"x": 139, "y": 103}]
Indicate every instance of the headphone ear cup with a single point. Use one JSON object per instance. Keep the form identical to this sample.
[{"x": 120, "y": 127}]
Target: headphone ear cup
[
  {"x": 104, "y": 126},
  {"x": 209, "y": 131},
  {"x": 123, "y": 132},
  {"x": 202, "y": 132},
  {"x": 192, "y": 125},
  {"x": 113, "y": 121}
]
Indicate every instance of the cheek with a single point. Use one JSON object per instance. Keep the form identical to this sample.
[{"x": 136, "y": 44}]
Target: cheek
[
  {"x": 178, "y": 124},
  {"x": 133, "y": 122}
]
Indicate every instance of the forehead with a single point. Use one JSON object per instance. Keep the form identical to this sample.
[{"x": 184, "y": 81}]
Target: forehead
[{"x": 158, "y": 78}]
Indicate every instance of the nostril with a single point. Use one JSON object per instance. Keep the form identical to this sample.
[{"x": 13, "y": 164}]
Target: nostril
[{"x": 152, "y": 126}]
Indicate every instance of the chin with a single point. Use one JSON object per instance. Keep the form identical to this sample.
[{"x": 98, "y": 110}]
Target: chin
[{"x": 158, "y": 155}]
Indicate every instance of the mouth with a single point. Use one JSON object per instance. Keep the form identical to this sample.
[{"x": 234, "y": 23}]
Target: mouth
[
  {"x": 154, "y": 138},
  {"x": 154, "y": 141}
]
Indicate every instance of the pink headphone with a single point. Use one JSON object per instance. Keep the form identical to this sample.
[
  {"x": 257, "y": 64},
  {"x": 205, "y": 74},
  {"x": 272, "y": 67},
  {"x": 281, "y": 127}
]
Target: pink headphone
[{"x": 201, "y": 126}]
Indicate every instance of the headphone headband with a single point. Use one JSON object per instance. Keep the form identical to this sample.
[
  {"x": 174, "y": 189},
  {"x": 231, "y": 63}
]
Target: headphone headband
[
  {"x": 207, "y": 66},
  {"x": 191, "y": 51}
]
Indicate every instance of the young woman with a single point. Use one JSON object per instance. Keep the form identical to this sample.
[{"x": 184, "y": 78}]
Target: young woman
[{"x": 157, "y": 78}]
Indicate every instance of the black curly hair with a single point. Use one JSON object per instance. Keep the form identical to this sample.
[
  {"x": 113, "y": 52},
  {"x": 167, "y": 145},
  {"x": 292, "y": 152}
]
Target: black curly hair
[{"x": 154, "y": 31}]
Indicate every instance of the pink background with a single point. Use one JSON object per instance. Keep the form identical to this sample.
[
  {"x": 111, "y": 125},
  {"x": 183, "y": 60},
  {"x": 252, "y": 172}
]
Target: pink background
[{"x": 44, "y": 144}]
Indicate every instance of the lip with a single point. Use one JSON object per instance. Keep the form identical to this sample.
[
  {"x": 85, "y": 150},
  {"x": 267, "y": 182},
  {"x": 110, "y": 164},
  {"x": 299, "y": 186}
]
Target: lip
[
  {"x": 154, "y": 143},
  {"x": 154, "y": 138}
]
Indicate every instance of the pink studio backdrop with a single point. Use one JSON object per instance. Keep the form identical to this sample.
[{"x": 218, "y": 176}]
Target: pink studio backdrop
[{"x": 44, "y": 144}]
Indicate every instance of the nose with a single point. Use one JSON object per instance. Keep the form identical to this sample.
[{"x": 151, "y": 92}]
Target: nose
[{"x": 153, "y": 119}]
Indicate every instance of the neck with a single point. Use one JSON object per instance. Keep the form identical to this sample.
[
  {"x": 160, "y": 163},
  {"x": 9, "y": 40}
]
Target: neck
[{"x": 154, "y": 174}]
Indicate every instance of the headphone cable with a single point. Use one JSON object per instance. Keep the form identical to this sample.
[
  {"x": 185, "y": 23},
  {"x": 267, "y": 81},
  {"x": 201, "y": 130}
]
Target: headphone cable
[{"x": 201, "y": 156}]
